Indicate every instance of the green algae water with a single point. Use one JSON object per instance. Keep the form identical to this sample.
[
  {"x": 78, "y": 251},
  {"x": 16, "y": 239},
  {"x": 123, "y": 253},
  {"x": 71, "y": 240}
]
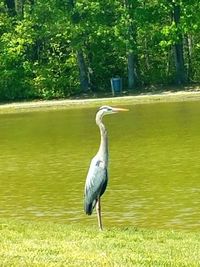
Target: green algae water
[{"x": 154, "y": 166}]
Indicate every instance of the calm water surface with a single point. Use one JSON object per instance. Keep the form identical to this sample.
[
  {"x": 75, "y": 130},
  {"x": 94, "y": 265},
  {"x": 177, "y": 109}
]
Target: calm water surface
[{"x": 154, "y": 166}]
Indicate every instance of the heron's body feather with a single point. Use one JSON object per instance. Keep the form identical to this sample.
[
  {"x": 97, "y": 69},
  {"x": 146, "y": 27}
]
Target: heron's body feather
[{"x": 96, "y": 183}]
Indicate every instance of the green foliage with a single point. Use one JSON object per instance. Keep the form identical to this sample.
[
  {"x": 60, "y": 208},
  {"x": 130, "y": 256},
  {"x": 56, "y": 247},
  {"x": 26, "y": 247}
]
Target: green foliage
[{"x": 38, "y": 49}]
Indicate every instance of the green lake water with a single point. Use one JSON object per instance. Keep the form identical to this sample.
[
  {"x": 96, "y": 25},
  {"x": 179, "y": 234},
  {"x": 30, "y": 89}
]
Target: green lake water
[{"x": 154, "y": 166}]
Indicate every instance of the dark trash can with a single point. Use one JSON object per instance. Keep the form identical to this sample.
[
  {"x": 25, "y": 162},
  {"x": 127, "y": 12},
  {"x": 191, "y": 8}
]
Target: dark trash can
[{"x": 116, "y": 85}]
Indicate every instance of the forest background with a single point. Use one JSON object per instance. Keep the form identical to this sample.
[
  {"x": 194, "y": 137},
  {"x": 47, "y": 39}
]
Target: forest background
[{"x": 64, "y": 48}]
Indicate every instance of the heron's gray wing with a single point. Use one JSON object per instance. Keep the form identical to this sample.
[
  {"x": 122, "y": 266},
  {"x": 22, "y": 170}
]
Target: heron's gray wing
[{"x": 96, "y": 183}]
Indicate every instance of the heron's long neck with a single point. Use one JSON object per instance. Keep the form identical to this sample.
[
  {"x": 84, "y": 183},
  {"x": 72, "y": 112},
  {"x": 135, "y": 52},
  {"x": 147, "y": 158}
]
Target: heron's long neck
[{"x": 103, "y": 148}]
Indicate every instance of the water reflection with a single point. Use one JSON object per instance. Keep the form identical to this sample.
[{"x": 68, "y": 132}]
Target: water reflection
[{"x": 154, "y": 165}]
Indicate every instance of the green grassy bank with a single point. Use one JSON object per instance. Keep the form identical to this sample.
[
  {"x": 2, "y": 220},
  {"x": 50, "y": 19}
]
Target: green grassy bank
[{"x": 48, "y": 244}]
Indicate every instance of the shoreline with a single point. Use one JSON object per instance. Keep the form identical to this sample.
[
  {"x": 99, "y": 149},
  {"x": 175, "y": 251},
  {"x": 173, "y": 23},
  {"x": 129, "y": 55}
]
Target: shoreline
[{"x": 167, "y": 96}]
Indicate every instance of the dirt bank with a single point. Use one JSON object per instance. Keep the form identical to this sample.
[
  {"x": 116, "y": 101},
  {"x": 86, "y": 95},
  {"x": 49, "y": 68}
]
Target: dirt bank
[{"x": 81, "y": 103}]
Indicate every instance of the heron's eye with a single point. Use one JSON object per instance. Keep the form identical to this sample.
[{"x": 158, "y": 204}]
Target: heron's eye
[{"x": 106, "y": 108}]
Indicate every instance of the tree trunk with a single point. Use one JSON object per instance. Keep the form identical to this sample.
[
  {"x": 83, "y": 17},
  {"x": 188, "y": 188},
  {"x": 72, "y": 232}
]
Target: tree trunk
[
  {"x": 19, "y": 7},
  {"x": 11, "y": 7},
  {"x": 178, "y": 48},
  {"x": 15, "y": 7},
  {"x": 132, "y": 74},
  {"x": 132, "y": 60},
  {"x": 188, "y": 40},
  {"x": 170, "y": 61},
  {"x": 83, "y": 70},
  {"x": 179, "y": 63},
  {"x": 84, "y": 82}
]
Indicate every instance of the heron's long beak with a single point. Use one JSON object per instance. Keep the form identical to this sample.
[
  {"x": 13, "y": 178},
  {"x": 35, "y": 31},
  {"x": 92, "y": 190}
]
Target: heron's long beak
[{"x": 120, "y": 109}]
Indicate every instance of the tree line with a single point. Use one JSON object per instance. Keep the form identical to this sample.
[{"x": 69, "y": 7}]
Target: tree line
[{"x": 58, "y": 48}]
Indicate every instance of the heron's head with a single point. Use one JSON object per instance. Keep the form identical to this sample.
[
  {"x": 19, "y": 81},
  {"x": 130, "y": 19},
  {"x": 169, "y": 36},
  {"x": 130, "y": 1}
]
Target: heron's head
[{"x": 106, "y": 110}]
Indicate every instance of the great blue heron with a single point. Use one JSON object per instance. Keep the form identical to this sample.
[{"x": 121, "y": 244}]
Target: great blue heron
[{"x": 97, "y": 177}]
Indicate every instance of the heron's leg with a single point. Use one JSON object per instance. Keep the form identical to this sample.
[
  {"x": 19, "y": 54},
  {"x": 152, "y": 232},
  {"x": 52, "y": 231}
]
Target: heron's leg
[{"x": 98, "y": 209}]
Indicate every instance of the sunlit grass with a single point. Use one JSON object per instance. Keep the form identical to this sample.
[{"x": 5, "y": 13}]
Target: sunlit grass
[{"x": 45, "y": 244}]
